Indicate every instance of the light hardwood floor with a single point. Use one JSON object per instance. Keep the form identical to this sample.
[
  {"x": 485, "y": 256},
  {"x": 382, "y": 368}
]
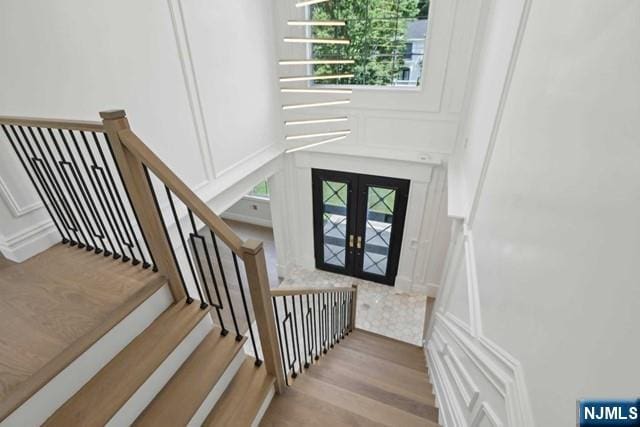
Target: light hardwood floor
[
  {"x": 365, "y": 380},
  {"x": 54, "y": 306},
  {"x": 4, "y": 263}
]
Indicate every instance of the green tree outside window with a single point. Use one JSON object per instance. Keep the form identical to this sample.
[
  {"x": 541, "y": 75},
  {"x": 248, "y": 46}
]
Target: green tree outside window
[{"x": 378, "y": 32}]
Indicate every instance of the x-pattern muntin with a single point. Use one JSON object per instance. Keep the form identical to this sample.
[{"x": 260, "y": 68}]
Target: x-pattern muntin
[
  {"x": 377, "y": 233},
  {"x": 376, "y": 264},
  {"x": 381, "y": 199},
  {"x": 334, "y": 225},
  {"x": 334, "y": 254},
  {"x": 334, "y": 192}
]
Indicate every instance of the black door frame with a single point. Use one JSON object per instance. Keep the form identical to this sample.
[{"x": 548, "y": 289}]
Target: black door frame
[{"x": 357, "y": 198}]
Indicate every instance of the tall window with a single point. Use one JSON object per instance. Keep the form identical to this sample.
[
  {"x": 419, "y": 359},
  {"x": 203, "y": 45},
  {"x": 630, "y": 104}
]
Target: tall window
[
  {"x": 387, "y": 38},
  {"x": 260, "y": 190}
]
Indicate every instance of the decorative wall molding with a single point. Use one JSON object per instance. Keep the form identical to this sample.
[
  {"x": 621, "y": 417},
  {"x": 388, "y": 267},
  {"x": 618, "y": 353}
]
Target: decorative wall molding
[
  {"x": 191, "y": 86},
  {"x": 495, "y": 365},
  {"x": 462, "y": 379},
  {"x": 450, "y": 410},
  {"x": 485, "y": 412},
  {"x": 29, "y": 241},
  {"x": 16, "y": 209}
]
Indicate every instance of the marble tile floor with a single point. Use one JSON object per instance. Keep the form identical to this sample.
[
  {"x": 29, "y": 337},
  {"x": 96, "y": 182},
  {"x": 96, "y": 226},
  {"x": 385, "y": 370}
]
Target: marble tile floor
[{"x": 381, "y": 309}]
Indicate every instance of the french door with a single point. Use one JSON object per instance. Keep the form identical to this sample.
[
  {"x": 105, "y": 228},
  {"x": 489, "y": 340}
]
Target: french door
[{"x": 358, "y": 222}]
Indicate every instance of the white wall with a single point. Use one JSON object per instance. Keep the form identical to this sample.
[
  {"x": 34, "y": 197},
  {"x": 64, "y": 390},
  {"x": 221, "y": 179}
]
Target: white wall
[
  {"x": 539, "y": 302},
  {"x": 252, "y": 210},
  {"x": 421, "y": 242},
  {"x": 200, "y": 93},
  {"x": 413, "y": 124}
]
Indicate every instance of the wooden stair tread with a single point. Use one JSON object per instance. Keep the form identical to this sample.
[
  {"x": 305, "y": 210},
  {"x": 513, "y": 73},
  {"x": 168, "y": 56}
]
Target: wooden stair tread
[
  {"x": 56, "y": 305},
  {"x": 365, "y": 380},
  {"x": 181, "y": 397},
  {"x": 98, "y": 400},
  {"x": 242, "y": 399},
  {"x": 401, "y": 353}
]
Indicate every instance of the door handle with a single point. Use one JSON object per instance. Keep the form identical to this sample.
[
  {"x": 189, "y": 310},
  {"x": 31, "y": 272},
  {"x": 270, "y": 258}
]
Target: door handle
[
  {"x": 350, "y": 240},
  {"x": 359, "y": 244}
]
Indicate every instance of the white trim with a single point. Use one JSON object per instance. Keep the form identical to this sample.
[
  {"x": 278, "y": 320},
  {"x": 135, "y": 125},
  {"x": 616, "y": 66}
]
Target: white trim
[
  {"x": 191, "y": 86},
  {"x": 449, "y": 409},
  {"x": 501, "y": 105},
  {"x": 485, "y": 411},
  {"x": 12, "y": 203},
  {"x": 214, "y": 395},
  {"x": 467, "y": 387},
  {"x": 63, "y": 386},
  {"x": 263, "y": 408},
  {"x": 30, "y": 241},
  {"x": 143, "y": 396},
  {"x": 247, "y": 219}
]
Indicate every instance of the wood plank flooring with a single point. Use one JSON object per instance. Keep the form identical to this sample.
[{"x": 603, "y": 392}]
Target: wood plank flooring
[
  {"x": 54, "y": 306},
  {"x": 365, "y": 380},
  {"x": 4, "y": 263}
]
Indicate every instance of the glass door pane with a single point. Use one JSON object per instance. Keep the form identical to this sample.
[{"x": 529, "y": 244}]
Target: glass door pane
[
  {"x": 334, "y": 222},
  {"x": 378, "y": 229}
]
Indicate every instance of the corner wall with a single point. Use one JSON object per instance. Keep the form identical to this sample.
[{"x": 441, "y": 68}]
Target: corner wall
[
  {"x": 538, "y": 306},
  {"x": 180, "y": 68}
]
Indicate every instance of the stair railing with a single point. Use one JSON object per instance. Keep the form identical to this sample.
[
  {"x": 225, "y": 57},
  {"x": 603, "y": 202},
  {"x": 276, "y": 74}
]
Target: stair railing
[
  {"x": 310, "y": 322},
  {"x": 107, "y": 192}
]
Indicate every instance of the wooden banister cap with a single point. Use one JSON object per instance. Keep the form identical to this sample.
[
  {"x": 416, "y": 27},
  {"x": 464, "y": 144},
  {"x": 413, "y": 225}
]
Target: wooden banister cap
[
  {"x": 113, "y": 114},
  {"x": 252, "y": 246}
]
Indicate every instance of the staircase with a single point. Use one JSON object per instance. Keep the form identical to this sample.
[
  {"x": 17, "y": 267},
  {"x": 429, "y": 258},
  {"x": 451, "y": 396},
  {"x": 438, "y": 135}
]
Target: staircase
[{"x": 152, "y": 311}]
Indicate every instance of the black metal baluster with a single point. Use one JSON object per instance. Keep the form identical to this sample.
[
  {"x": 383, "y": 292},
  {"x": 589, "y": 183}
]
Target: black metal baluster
[
  {"x": 91, "y": 179},
  {"x": 284, "y": 368},
  {"x": 287, "y": 316},
  {"x": 246, "y": 309},
  {"x": 226, "y": 286},
  {"x": 48, "y": 172},
  {"x": 145, "y": 263},
  {"x": 84, "y": 189},
  {"x": 334, "y": 318},
  {"x": 309, "y": 343},
  {"x": 58, "y": 225},
  {"x": 193, "y": 237},
  {"x": 295, "y": 322},
  {"x": 166, "y": 233},
  {"x": 69, "y": 195},
  {"x": 98, "y": 172},
  {"x": 342, "y": 309},
  {"x": 325, "y": 319},
  {"x": 316, "y": 324},
  {"x": 347, "y": 322},
  {"x": 117, "y": 201},
  {"x": 71, "y": 191},
  {"x": 203, "y": 304}
]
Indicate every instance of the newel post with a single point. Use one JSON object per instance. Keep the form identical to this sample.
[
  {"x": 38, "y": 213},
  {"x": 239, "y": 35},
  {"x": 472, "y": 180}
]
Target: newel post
[
  {"x": 256, "y": 269},
  {"x": 354, "y": 307},
  {"x": 134, "y": 178}
]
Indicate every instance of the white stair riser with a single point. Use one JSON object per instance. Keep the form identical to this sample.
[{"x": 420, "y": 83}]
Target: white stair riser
[
  {"x": 217, "y": 390},
  {"x": 63, "y": 386},
  {"x": 263, "y": 408},
  {"x": 127, "y": 414}
]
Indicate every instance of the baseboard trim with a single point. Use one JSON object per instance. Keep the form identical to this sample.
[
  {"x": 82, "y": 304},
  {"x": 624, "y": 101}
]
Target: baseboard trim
[
  {"x": 247, "y": 219},
  {"x": 66, "y": 383},
  {"x": 30, "y": 241}
]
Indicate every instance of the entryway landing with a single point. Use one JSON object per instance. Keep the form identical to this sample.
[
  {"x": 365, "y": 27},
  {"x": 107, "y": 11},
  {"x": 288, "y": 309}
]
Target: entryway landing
[{"x": 381, "y": 309}]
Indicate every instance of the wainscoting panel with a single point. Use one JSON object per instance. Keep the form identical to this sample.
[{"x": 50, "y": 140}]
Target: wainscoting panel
[{"x": 476, "y": 382}]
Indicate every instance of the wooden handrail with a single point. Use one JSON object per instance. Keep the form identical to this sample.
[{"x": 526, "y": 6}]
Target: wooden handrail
[
  {"x": 53, "y": 123},
  {"x": 134, "y": 155},
  {"x": 308, "y": 291},
  {"x": 180, "y": 189}
]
